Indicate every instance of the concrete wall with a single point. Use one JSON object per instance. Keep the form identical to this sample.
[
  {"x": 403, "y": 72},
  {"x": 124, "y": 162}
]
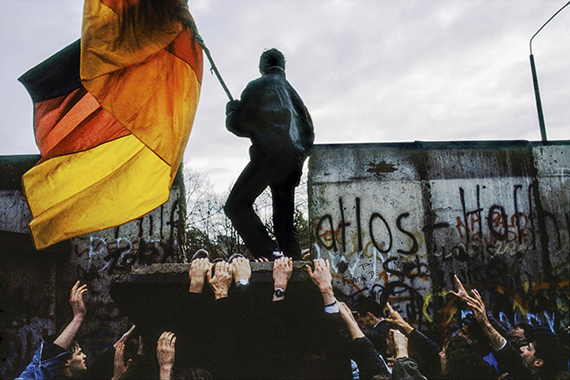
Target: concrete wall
[
  {"x": 398, "y": 220},
  {"x": 35, "y": 285}
]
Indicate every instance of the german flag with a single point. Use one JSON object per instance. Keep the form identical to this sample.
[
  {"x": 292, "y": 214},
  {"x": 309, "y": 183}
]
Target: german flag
[{"x": 112, "y": 116}]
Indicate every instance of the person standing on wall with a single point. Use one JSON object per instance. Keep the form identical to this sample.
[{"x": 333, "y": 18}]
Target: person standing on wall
[{"x": 273, "y": 116}]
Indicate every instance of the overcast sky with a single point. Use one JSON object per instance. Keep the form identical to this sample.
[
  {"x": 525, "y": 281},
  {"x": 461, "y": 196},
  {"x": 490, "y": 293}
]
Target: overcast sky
[{"x": 369, "y": 71}]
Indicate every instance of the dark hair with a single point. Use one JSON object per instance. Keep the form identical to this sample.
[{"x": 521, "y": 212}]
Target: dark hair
[
  {"x": 466, "y": 364},
  {"x": 527, "y": 328},
  {"x": 456, "y": 343},
  {"x": 547, "y": 348},
  {"x": 270, "y": 58},
  {"x": 73, "y": 347},
  {"x": 364, "y": 305}
]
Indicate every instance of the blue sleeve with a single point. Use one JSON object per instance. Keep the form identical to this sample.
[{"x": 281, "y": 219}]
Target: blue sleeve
[{"x": 43, "y": 369}]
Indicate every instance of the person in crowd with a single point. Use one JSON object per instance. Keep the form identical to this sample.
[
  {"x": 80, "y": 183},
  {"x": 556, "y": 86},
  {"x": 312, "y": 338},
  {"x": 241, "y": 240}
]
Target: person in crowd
[
  {"x": 373, "y": 324},
  {"x": 64, "y": 357},
  {"x": 423, "y": 350},
  {"x": 474, "y": 333},
  {"x": 222, "y": 349},
  {"x": 166, "y": 354},
  {"x": 122, "y": 368},
  {"x": 369, "y": 361},
  {"x": 459, "y": 360},
  {"x": 405, "y": 368},
  {"x": 522, "y": 331},
  {"x": 342, "y": 349},
  {"x": 542, "y": 358},
  {"x": 74, "y": 362}
]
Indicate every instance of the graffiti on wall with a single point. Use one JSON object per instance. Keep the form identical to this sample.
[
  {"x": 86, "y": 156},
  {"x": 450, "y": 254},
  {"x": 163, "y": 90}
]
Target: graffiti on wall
[
  {"x": 152, "y": 239},
  {"x": 493, "y": 240}
]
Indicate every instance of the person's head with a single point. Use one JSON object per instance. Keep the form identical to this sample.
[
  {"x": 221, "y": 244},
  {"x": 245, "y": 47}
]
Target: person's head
[
  {"x": 270, "y": 58},
  {"x": 369, "y": 313},
  {"x": 523, "y": 331},
  {"x": 544, "y": 355},
  {"x": 74, "y": 361},
  {"x": 453, "y": 344},
  {"x": 465, "y": 364}
]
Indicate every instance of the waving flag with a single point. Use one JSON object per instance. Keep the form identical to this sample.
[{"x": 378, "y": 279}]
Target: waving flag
[{"x": 113, "y": 113}]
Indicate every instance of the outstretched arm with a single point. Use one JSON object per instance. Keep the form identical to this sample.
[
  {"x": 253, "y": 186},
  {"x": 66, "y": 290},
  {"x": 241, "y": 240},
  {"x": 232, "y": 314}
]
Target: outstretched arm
[
  {"x": 165, "y": 353},
  {"x": 351, "y": 324},
  {"x": 396, "y": 320},
  {"x": 282, "y": 270},
  {"x": 222, "y": 279},
  {"x": 119, "y": 365},
  {"x": 363, "y": 351},
  {"x": 76, "y": 300},
  {"x": 475, "y": 302},
  {"x": 197, "y": 274},
  {"x": 241, "y": 271},
  {"x": 323, "y": 279}
]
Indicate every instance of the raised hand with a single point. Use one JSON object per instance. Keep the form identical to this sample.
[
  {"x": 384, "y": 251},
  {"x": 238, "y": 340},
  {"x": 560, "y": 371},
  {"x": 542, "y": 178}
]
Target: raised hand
[
  {"x": 400, "y": 343},
  {"x": 76, "y": 300},
  {"x": 282, "y": 271},
  {"x": 197, "y": 274},
  {"x": 125, "y": 336},
  {"x": 165, "y": 353},
  {"x": 222, "y": 280},
  {"x": 461, "y": 292},
  {"x": 396, "y": 320},
  {"x": 476, "y": 304},
  {"x": 119, "y": 364},
  {"x": 322, "y": 277},
  {"x": 241, "y": 269},
  {"x": 348, "y": 318}
]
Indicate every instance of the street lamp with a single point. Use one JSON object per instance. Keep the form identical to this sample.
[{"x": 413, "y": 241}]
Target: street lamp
[{"x": 535, "y": 79}]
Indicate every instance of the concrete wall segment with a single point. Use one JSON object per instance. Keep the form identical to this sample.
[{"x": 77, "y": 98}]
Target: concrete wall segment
[
  {"x": 35, "y": 285},
  {"x": 398, "y": 220}
]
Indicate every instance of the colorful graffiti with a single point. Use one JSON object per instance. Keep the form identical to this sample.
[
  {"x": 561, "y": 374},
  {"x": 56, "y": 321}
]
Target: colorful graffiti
[{"x": 496, "y": 245}]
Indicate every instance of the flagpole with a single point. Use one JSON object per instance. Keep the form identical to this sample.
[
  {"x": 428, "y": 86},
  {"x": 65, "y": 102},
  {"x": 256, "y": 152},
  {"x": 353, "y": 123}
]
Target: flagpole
[
  {"x": 214, "y": 68},
  {"x": 186, "y": 18}
]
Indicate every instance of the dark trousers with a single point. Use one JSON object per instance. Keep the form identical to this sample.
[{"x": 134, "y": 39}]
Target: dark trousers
[{"x": 282, "y": 179}]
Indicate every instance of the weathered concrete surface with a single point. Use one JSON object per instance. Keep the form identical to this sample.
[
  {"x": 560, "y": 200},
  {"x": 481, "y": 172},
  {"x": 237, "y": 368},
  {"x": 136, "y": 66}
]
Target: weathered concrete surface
[
  {"x": 398, "y": 220},
  {"x": 35, "y": 285}
]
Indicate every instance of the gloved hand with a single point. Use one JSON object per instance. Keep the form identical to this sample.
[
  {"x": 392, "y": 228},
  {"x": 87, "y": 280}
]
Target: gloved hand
[{"x": 231, "y": 106}]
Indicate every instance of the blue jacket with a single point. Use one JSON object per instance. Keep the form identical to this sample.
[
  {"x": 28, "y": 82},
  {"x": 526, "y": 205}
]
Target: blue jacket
[{"x": 46, "y": 369}]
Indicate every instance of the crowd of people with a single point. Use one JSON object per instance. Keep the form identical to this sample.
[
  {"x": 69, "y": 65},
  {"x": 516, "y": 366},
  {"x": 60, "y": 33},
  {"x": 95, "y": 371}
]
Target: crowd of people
[{"x": 227, "y": 334}]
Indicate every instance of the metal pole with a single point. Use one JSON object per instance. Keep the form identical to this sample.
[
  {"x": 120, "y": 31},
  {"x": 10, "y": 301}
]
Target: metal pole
[
  {"x": 538, "y": 102},
  {"x": 535, "y": 79}
]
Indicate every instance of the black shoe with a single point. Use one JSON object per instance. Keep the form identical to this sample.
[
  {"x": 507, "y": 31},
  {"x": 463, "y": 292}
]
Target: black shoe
[
  {"x": 235, "y": 256},
  {"x": 200, "y": 254},
  {"x": 275, "y": 255}
]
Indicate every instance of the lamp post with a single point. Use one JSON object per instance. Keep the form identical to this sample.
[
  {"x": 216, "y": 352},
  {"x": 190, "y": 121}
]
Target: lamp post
[{"x": 535, "y": 79}]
